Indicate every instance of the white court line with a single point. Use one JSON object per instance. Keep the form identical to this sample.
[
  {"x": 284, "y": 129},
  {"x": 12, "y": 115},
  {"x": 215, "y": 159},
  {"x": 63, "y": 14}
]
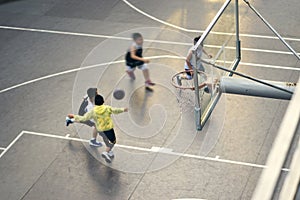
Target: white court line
[
  {"x": 79, "y": 69},
  {"x": 121, "y": 61},
  {"x": 252, "y": 49},
  {"x": 148, "y": 40},
  {"x": 154, "y": 149},
  {"x": 188, "y": 199},
  {"x": 201, "y": 31},
  {"x": 262, "y": 65},
  {"x": 11, "y": 144},
  {"x": 58, "y": 74},
  {"x": 269, "y": 66},
  {"x": 87, "y": 35},
  {"x": 2, "y": 148}
]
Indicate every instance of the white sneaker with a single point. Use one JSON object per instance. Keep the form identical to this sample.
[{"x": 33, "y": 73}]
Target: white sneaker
[
  {"x": 95, "y": 143},
  {"x": 106, "y": 157},
  {"x": 111, "y": 154}
]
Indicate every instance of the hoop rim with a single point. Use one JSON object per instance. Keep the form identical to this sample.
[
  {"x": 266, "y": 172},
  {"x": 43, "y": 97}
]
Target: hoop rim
[{"x": 174, "y": 83}]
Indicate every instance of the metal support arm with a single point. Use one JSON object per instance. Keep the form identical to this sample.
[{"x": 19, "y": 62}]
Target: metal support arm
[
  {"x": 272, "y": 29},
  {"x": 247, "y": 87}
]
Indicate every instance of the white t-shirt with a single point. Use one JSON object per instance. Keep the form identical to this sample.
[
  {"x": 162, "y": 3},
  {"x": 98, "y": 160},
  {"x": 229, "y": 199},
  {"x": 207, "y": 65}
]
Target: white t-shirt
[
  {"x": 89, "y": 107},
  {"x": 198, "y": 57}
]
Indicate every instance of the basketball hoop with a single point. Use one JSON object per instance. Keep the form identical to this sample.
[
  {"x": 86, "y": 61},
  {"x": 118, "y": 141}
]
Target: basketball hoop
[
  {"x": 185, "y": 89},
  {"x": 185, "y": 83}
]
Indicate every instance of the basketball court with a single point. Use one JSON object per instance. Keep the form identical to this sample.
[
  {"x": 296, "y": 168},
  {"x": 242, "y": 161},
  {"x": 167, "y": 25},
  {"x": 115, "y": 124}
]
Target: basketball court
[{"x": 52, "y": 51}]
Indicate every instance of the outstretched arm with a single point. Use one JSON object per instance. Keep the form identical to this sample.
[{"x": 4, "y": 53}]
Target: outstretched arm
[
  {"x": 208, "y": 55},
  {"x": 87, "y": 116},
  {"x": 135, "y": 57},
  {"x": 118, "y": 110}
]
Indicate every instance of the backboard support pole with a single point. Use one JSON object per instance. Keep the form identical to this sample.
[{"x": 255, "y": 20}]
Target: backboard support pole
[
  {"x": 272, "y": 29},
  {"x": 242, "y": 86},
  {"x": 197, "y": 97},
  {"x": 237, "y": 35}
]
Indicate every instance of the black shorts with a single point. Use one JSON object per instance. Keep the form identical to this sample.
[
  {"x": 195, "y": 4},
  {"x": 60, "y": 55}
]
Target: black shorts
[
  {"x": 111, "y": 136},
  {"x": 133, "y": 64},
  {"x": 188, "y": 72}
]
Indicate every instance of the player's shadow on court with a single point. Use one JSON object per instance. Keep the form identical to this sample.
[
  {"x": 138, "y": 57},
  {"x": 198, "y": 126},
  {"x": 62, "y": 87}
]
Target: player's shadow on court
[
  {"x": 105, "y": 177},
  {"x": 7, "y": 1},
  {"x": 139, "y": 106},
  {"x": 144, "y": 105}
]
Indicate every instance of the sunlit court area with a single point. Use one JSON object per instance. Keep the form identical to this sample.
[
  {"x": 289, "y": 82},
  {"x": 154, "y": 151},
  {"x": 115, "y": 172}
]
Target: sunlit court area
[{"x": 149, "y": 100}]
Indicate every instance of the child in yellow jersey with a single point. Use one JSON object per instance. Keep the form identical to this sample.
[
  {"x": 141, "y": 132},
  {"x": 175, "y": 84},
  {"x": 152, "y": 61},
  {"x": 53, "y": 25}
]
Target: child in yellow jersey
[{"x": 101, "y": 114}]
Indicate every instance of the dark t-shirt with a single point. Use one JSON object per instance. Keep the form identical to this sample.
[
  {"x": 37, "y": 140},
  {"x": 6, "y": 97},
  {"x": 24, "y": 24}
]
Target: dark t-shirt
[{"x": 132, "y": 62}]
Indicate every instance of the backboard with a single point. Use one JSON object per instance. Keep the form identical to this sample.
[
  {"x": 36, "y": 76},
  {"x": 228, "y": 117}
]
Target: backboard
[{"x": 221, "y": 41}]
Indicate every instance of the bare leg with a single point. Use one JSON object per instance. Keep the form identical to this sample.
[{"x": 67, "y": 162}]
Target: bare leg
[
  {"x": 108, "y": 144},
  {"x": 202, "y": 85},
  {"x": 95, "y": 132},
  {"x": 146, "y": 74},
  {"x": 131, "y": 74},
  {"x": 108, "y": 149},
  {"x": 184, "y": 77}
]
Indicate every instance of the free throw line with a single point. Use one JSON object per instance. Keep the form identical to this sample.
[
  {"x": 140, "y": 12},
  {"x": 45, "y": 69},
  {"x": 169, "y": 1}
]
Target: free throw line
[{"x": 153, "y": 150}]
